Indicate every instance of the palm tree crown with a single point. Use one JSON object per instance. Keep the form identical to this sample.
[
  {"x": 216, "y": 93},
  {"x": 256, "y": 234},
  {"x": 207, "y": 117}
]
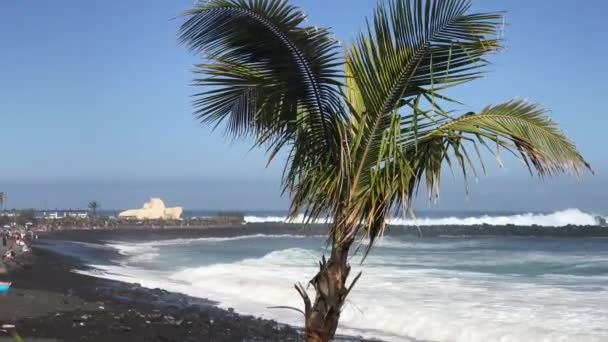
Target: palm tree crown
[
  {"x": 362, "y": 128},
  {"x": 365, "y": 128},
  {"x": 93, "y": 206}
]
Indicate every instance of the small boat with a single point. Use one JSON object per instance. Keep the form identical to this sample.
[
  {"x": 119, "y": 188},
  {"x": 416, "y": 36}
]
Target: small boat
[{"x": 4, "y": 287}]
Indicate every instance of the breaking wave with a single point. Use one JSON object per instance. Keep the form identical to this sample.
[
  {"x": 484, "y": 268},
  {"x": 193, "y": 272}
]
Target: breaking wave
[
  {"x": 560, "y": 218},
  {"x": 148, "y": 251},
  {"x": 439, "y": 300}
]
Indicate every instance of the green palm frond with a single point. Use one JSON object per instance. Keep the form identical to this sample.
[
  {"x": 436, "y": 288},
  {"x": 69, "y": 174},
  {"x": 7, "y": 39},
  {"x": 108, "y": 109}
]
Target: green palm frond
[
  {"x": 268, "y": 74},
  {"x": 516, "y": 126},
  {"x": 416, "y": 44},
  {"x": 363, "y": 133},
  {"x": 414, "y": 48},
  {"x": 440, "y": 141}
]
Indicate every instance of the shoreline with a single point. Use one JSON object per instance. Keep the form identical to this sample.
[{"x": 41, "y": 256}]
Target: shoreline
[{"x": 50, "y": 302}]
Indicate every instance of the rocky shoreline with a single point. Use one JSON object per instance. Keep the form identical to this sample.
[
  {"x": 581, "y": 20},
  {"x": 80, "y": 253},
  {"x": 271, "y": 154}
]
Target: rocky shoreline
[{"x": 49, "y": 301}]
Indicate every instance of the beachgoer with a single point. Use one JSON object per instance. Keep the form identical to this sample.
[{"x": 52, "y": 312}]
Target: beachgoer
[{"x": 8, "y": 255}]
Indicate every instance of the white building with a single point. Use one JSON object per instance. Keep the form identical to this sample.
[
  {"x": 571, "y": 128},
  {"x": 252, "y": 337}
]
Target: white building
[
  {"x": 56, "y": 215},
  {"x": 9, "y": 213}
]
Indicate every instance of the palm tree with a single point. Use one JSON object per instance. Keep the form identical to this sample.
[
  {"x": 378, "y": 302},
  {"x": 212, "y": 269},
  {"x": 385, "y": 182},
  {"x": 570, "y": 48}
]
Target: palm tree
[
  {"x": 93, "y": 206},
  {"x": 362, "y": 129}
]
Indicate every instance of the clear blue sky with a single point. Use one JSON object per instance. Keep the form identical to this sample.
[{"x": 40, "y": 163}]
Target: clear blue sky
[{"x": 94, "y": 102}]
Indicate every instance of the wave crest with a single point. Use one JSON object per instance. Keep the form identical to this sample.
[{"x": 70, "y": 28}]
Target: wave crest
[{"x": 560, "y": 218}]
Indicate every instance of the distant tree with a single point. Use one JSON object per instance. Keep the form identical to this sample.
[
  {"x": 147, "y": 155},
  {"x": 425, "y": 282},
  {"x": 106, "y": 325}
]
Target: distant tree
[
  {"x": 93, "y": 206},
  {"x": 2, "y": 199},
  {"x": 4, "y": 220},
  {"x": 25, "y": 216}
]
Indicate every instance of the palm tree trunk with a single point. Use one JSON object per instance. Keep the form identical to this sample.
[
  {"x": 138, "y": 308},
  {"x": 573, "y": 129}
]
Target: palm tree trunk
[{"x": 322, "y": 316}]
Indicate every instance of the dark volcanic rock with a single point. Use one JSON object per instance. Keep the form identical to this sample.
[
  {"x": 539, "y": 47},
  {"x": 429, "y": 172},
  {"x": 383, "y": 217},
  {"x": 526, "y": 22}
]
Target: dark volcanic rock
[{"x": 100, "y": 310}]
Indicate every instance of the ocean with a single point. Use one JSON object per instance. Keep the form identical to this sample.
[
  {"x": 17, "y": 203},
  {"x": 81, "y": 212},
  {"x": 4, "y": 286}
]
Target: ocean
[{"x": 429, "y": 289}]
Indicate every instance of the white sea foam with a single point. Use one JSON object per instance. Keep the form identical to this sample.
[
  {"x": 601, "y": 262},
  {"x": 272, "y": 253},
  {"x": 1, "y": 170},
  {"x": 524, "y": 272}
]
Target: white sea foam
[
  {"x": 394, "y": 302},
  {"x": 230, "y": 238},
  {"x": 393, "y": 242},
  {"x": 132, "y": 249},
  {"x": 556, "y": 219},
  {"x": 136, "y": 252},
  {"x": 91, "y": 245},
  {"x": 148, "y": 251},
  {"x": 300, "y": 218},
  {"x": 151, "y": 245}
]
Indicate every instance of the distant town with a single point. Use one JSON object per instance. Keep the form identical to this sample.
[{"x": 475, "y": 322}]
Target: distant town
[
  {"x": 152, "y": 214},
  {"x": 48, "y": 215},
  {"x": 49, "y": 220}
]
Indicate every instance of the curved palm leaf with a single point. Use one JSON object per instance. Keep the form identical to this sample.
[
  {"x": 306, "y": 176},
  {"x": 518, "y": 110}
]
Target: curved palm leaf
[
  {"x": 412, "y": 47},
  {"x": 269, "y": 75},
  {"x": 411, "y": 50},
  {"x": 516, "y": 126}
]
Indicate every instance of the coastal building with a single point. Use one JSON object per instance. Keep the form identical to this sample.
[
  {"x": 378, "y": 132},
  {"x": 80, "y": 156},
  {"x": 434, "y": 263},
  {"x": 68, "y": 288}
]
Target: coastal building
[
  {"x": 57, "y": 215},
  {"x": 9, "y": 213},
  {"x": 154, "y": 209}
]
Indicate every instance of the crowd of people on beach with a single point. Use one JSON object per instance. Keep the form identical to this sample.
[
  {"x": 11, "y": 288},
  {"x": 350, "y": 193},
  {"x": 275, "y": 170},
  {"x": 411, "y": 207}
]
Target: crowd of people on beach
[{"x": 15, "y": 242}]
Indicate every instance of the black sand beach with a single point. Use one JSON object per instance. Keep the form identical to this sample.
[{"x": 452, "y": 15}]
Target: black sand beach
[{"x": 49, "y": 302}]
